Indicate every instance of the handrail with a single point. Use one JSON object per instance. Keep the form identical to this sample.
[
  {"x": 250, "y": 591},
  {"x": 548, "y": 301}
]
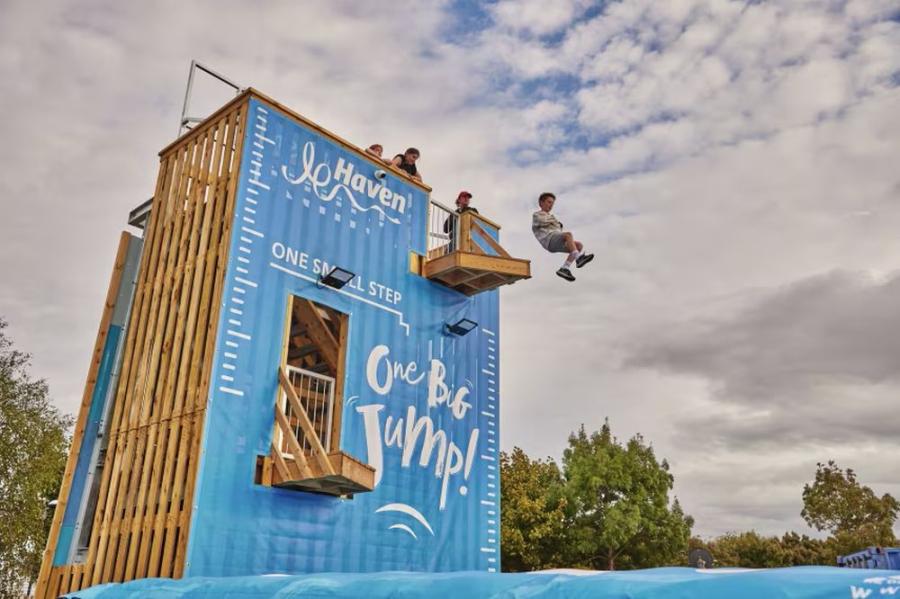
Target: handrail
[
  {"x": 307, "y": 426},
  {"x": 469, "y": 226},
  {"x": 443, "y": 230},
  {"x": 475, "y": 226},
  {"x": 485, "y": 219}
]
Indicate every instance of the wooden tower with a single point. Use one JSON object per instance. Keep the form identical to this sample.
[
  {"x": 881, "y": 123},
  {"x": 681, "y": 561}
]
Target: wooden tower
[{"x": 160, "y": 384}]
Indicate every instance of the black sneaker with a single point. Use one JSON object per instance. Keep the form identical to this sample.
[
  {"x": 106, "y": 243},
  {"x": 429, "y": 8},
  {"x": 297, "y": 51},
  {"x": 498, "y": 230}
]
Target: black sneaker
[
  {"x": 583, "y": 259},
  {"x": 566, "y": 274}
]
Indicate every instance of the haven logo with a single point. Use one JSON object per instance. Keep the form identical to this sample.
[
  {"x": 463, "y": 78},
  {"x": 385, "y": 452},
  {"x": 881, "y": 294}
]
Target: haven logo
[{"x": 363, "y": 193}]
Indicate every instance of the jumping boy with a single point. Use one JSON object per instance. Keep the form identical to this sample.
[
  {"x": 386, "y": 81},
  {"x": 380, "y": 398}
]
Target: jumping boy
[{"x": 549, "y": 233}]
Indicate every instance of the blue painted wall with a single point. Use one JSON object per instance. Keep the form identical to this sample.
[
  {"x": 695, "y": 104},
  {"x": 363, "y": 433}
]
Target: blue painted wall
[{"x": 305, "y": 203}]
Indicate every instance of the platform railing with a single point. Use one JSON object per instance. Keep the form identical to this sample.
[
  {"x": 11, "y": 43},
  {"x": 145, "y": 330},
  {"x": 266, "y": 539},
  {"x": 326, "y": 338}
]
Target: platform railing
[
  {"x": 443, "y": 230},
  {"x": 478, "y": 235},
  {"x": 303, "y": 418}
]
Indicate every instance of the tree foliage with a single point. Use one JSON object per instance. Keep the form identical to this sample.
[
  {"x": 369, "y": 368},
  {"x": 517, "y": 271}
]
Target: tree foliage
[
  {"x": 802, "y": 550},
  {"x": 608, "y": 508},
  {"x": 855, "y": 516},
  {"x": 835, "y": 502},
  {"x": 33, "y": 447},
  {"x": 752, "y": 550},
  {"x": 747, "y": 550},
  {"x": 617, "y": 504},
  {"x": 532, "y": 518}
]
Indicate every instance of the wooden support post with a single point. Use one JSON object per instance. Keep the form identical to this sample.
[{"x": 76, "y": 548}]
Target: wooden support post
[
  {"x": 337, "y": 410},
  {"x": 288, "y": 434},
  {"x": 305, "y": 424},
  {"x": 281, "y": 466},
  {"x": 465, "y": 233}
]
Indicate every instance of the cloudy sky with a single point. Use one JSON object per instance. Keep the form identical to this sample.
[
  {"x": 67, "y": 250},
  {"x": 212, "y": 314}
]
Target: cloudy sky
[{"x": 733, "y": 165}]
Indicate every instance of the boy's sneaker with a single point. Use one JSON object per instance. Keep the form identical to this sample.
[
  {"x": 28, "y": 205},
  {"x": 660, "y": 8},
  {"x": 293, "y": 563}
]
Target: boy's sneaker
[
  {"x": 566, "y": 274},
  {"x": 583, "y": 259}
]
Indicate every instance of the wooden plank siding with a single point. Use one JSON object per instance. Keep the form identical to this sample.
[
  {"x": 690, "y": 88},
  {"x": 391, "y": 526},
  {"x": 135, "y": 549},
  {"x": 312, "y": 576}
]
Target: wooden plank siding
[{"x": 144, "y": 507}]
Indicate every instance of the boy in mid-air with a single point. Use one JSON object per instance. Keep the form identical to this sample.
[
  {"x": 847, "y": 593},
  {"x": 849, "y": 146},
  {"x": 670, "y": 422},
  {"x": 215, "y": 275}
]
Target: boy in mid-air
[{"x": 549, "y": 233}]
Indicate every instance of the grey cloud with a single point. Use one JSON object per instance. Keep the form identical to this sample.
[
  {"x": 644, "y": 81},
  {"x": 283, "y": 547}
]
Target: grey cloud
[
  {"x": 818, "y": 360},
  {"x": 839, "y": 325}
]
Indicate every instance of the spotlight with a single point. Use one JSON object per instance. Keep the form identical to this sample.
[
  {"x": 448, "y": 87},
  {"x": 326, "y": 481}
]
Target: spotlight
[
  {"x": 380, "y": 174},
  {"x": 460, "y": 328},
  {"x": 336, "y": 278}
]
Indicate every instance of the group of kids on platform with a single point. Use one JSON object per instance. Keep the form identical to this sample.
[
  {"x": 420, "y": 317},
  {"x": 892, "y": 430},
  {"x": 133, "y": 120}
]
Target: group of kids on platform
[{"x": 547, "y": 229}]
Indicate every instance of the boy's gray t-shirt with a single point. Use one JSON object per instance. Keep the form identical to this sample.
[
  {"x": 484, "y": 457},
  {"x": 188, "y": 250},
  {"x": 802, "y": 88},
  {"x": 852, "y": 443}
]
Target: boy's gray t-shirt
[{"x": 544, "y": 225}]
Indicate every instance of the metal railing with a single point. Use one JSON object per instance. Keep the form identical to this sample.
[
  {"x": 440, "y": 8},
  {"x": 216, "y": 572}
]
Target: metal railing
[
  {"x": 443, "y": 230},
  {"x": 316, "y": 395}
]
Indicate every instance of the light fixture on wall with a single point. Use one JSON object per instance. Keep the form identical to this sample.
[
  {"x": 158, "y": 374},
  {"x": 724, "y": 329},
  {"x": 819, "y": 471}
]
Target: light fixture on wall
[
  {"x": 336, "y": 278},
  {"x": 462, "y": 327}
]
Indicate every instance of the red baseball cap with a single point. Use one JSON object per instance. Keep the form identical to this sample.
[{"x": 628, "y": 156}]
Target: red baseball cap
[{"x": 463, "y": 193}]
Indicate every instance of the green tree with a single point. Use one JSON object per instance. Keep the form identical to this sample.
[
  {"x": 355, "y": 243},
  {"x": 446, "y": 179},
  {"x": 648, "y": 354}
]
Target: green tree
[
  {"x": 854, "y": 515},
  {"x": 748, "y": 550},
  {"x": 617, "y": 504},
  {"x": 752, "y": 550},
  {"x": 802, "y": 550},
  {"x": 532, "y": 519},
  {"x": 33, "y": 448}
]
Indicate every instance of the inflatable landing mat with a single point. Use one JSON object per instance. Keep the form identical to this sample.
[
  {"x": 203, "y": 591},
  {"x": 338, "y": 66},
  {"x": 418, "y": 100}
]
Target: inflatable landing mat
[{"x": 660, "y": 583}]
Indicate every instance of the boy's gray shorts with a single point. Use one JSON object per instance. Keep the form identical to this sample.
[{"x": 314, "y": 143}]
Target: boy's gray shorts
[{"x": 556, "y": 243}]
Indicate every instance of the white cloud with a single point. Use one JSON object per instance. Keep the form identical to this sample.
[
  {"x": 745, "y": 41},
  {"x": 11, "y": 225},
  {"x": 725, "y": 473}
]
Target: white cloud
[{"x": 536, "y": 16}]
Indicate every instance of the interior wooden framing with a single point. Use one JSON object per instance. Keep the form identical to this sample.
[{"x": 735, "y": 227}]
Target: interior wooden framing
[
  {"x": 316, "y": 341},
  {"x": 140, "y": 526},
  {"x": 470, "y": 269}
]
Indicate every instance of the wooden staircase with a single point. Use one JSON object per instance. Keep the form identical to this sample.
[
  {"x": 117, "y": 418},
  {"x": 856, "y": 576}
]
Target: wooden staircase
[
  {"x": 303, "y": 454},
  {"x": 310, "y": 466}
]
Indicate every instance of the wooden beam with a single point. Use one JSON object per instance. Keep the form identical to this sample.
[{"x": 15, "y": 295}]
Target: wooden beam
[
  {"x": 162, "y": 391},
  {"x": 281, "y": 466},
  {"x": 305, "y": 424},
  {"x": 295, "y": 353},
  {"x": 337, "y": 410},
  {"x": 506, "y": 266},
  {"x": 319, "y": 333},
  {"x": 465, "y": 234},
  {"x": 489, "y": 240},
  {"x": 203, "y": 205},
  {"x": 229, "y": 180},
  {"x": 416, "y": 263},
  {"x": 288, "y": 433},
  {"x": 485, "y": 220}
]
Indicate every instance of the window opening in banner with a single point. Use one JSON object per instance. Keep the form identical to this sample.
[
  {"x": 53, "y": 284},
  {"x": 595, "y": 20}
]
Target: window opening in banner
[{"x": 305, "y": 454}]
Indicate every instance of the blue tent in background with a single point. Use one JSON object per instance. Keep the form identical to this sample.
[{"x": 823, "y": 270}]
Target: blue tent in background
[{"x": 660, "y": 583}]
